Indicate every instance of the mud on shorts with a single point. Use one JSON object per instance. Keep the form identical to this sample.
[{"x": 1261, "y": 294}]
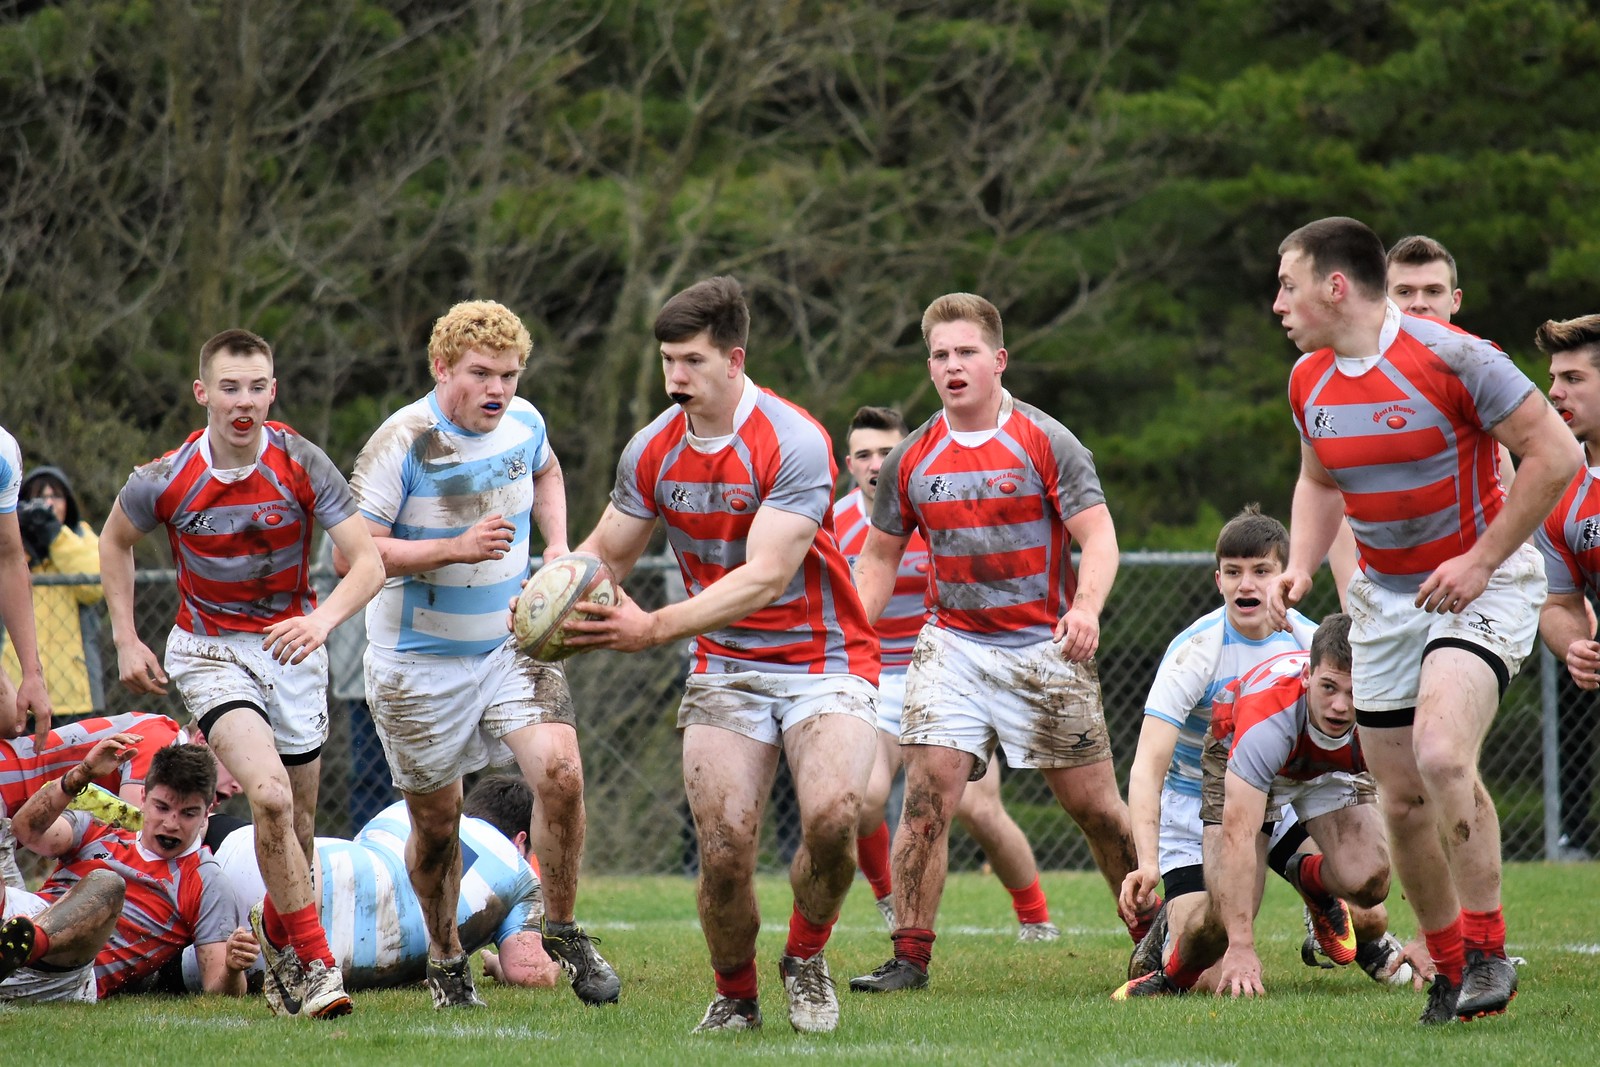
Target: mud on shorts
[
  {"x": 1181, "y": 841},
  {"x": 231, "y": 669},
  {"x": 1039, "y": 706},
  {"x": 441, "y": 717},
  {"x": 763, "y": 705},
  {"x": 1389, "y": 635}
]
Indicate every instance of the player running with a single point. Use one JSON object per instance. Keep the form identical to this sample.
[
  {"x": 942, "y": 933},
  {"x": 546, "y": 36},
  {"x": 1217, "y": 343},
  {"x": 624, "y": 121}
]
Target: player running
[
  {"x": 999, "y": 490},
  {"x": 743, "y": 480},
  {"x": 1399, "y": 418},
  {"x": 872, "y": 436},
  {"x": 237, "y": 500}
]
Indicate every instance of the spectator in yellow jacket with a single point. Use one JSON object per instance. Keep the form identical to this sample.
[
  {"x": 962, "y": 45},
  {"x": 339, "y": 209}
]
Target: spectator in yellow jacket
[{"x": 59, "y": 541}]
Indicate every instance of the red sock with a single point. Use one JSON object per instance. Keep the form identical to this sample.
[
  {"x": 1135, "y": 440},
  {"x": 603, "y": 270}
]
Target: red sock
[
  {"x": 1310, "y": 879},
  {"x": 914, "y": 945},
  {"x": 738, "y": 983},
  {"x": 1029, "y": 903},
  {"x": 1183, "y": 973},
  {"x": 1447, "y": 949},
  {"x": 300, "y": 929},
  {"x": 872, "y": 853},
  {"x": 41, "y": 940},
  {"x": 806, "y": 938},
  {"x": 1484, "y": 931},
  {"x": 1146, "y": 919},
  {"x": 533, "y": 861}
]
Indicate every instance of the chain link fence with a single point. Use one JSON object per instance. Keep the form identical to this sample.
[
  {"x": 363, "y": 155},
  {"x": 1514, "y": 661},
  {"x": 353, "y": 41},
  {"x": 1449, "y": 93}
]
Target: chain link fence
[{"x": 1538, "y": 761}]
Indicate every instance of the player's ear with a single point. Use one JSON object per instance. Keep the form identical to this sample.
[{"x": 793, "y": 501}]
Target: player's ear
[
  {"x": 200, "y": 392},
  {"x": 1000, "y": 357},
  {"x": 735, "y": 361}
]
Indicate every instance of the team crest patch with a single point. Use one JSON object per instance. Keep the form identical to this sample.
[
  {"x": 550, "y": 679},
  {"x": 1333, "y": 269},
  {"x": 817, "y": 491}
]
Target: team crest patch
[
  {"x": 1322, "y": 425},
  {"x": 199, "y": 522},
  {"x": 939, "y": 488},
  {"x": 678, "y": 499},
  {"x": 516, "y": 468},
  {"x": 1588, "y": 534}
]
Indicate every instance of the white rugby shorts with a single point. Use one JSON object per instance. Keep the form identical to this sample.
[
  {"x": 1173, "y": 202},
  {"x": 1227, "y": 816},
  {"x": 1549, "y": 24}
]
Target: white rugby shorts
[
  {"x": 1321, "y": 795},
  {"x": 440, "y": 717},
  {"x": 1388, "y": 633},
  {"x": 764, "y": 705},
  {"x": 232, "y": 666},
  {"x": 891, "y": 701},
  {"x": 1182, "y": 831},
  {"x": 1041, "y": 707}
]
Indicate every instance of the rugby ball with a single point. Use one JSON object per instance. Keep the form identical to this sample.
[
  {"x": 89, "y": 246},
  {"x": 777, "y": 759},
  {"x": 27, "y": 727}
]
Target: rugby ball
[{"x": 552, "y": 596}]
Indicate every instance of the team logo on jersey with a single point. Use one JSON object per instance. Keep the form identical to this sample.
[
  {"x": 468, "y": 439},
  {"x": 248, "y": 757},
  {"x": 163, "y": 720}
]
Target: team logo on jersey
[
  {"x": 1588, "y": 534},
  {"x": 1396, "y": 413},
  {"x": 199, "y": 522},
  {"x": 1322, "y": 425},
  {"x": 678, "y": 499},
  {"x": 939, "y": 488},
  {"x": 739, "y": 500},
  {"x": 516, "y": 468},
  {"x": 1007, "y": 483},
  {"x": 270, "y": 515}
]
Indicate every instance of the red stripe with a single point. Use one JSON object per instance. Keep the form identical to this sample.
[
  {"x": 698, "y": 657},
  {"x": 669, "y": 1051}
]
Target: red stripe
[
  {"x": 998, "y": 620},
  {"x": 977, "y": 514},
  {"x": 1371, "y": 450},
  {"x": 1417, "y": 559},
  {"x": 255, "y": 541},
  {"x": 715, "y": 526},
  {"x": 993, "y": 567},
  {"x": 1396, "y": 507}
]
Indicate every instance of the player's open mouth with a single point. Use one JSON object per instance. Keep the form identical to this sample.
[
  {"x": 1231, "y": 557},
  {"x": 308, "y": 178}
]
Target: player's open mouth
[
  {"x": 1247, "y": 602},
  {"x": 491, "y": 407},
  {"x": 168, "y": 843},
  {"x": 1566, "y": 416},
  {"x": 680, "y": 398},
  {"x": 242, "y": 424}
]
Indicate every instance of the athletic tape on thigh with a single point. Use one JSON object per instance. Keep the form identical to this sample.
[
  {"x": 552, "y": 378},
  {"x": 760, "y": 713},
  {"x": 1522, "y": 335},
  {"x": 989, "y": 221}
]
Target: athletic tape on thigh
[
  {"x": 1502, "y": 674},
  {"x": 209, "y": 719}
]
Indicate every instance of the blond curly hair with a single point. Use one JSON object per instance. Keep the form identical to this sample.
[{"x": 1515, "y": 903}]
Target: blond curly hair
[{"x": 480, "y": 324}]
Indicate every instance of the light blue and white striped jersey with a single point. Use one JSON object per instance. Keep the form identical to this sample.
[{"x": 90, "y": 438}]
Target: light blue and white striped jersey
[
  {"x": 426, "y": 478},
  {"x": 10, "y": 472},
  {"x": 371, "y": 913},
  {"x": 1197, "y": 665}
]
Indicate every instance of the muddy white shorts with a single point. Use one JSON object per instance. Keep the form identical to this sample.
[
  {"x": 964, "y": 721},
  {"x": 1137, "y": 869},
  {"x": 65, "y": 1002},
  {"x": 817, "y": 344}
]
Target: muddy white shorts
[
  {"x": 763, "y": 705},
  {"x": 891, "y": 701},
  {"x": 232, "y": 668},
  {"x": 440, "y": 717}
]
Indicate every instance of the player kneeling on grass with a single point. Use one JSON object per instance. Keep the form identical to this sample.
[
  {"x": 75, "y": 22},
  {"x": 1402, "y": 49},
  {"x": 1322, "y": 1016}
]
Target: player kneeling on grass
[
  {"x": 121, "y": 903},
  {"x": 1290, "y": 739}
]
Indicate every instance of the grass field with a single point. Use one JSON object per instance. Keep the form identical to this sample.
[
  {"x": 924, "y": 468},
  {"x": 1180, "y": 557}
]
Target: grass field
[{"x": 991, "y": 1001}]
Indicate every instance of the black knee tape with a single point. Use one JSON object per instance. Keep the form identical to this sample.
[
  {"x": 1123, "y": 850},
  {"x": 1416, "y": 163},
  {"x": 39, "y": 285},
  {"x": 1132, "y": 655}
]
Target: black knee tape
[
  {"x": 1181, "y": 881},
  {"x": 210, "y": 718},
  {"x": 1502, "y": 674},
  {"x": 1278, "y": 859},
  {"x": 1386, "y": 720},
  {"x": 299, "y": 759}
]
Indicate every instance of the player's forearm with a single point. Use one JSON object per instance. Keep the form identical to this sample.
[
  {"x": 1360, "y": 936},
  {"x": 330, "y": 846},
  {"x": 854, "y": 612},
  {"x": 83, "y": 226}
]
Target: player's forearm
[
  {"x": 16, "y": 611},
  {"x": 1562, "y": 621},
  {"x": 875, "y": 571},
  {"x": 1313, "y": 523},
  {"x": 38, "y": 816},
  {"x": 1235, "y": 882},
  {"x": 402, "y": 556},
  {"x": 741, "y": 592},
  {"x": 550, "y": 507},
  {"x": 116, "y": 578},
  {"x": 1150, "y": 763},
  {"x": 360, "y": 584},
  {"x": 1541, "y": 479},
  {"x": 1097, "y": 570}
]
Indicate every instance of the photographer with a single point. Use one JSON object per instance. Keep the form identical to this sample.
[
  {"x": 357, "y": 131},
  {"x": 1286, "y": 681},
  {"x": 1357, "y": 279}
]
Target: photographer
[{"x": 59, "y": 541}]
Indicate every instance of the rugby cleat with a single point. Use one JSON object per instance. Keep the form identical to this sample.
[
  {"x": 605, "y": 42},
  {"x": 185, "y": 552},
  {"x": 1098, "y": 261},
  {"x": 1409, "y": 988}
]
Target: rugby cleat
[
  {"x": 1488, "y": 985},
  {"x": 1147, "y": 954},
  {"x": 1384, "y": 960},
  {"x": 1045, "y": 931},
  {"x": 593, "y": 979},
  {"x": 1311, "y": 953},
  {"x": 285, "y": 983},
  {"x": 726, "y": 1013},
  {"x": 325, "y": 997},
  {"x": 450, "y": 982},
  {"x": 892, "y": 977},
  {"x": 16, "y": 942},
  {"x": 1154, "y": 984},
  {"x": 1330, "y": 920},
  {"x": 1441, "y": 1009},
  {"x": 813, "y": 1001}
]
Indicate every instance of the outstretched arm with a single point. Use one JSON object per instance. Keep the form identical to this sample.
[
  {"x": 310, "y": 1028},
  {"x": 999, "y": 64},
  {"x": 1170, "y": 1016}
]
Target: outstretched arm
[{"x": 16, "y": 611}]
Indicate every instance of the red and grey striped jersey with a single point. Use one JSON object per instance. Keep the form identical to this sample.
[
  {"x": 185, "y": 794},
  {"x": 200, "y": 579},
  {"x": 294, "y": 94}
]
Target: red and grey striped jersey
[
  {"x": 902, "y": 619},
  {"x": 24, "y": 770},
  {"x": 780, "y": 457},
  {"x": 1271, "y": 727},
  {"x": 1407, "y": 441},
  {"x": 994, "y": 517},
  {"x": 170, "y": 904},
  {"x": 1569, "y": 539},
  {"x": 243, "y": 547}
]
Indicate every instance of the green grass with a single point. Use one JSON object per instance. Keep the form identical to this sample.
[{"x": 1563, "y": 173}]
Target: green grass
[{"x": 991, "y": 1000}]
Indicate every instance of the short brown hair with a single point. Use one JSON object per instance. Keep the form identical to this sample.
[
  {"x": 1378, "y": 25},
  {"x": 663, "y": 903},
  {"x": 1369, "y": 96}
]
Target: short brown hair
[
  {"x": 1555, "y": 337},
  {"x": 504, "y": 801},
  {"x": 1252, "y": 535},
  {"x": 716, "y": 306},
  {"x": 1345, "y": 245},
  {"x": 481, "y": 324},
  {"x": 1419, "y": 251},
  {"x": 239, "y": 342},
  {"x": 871, "y": 418},
  {"x": 1331, "y": 643},
  {"x": 965, "y": 307},
  {"x": 187, "y": 770}
]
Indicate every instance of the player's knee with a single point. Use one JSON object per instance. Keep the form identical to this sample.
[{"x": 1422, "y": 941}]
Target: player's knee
[
  {"x": 272, "y": 802},
  {"x": 561, "y": 776},
  {"x": 1372, "y": 890},
  {"x": 106, "y": 887},
  {"x": 832, "y": 830},
  {"x": 1442, "y": 762},
  {"x": 728, "y": 852}
]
